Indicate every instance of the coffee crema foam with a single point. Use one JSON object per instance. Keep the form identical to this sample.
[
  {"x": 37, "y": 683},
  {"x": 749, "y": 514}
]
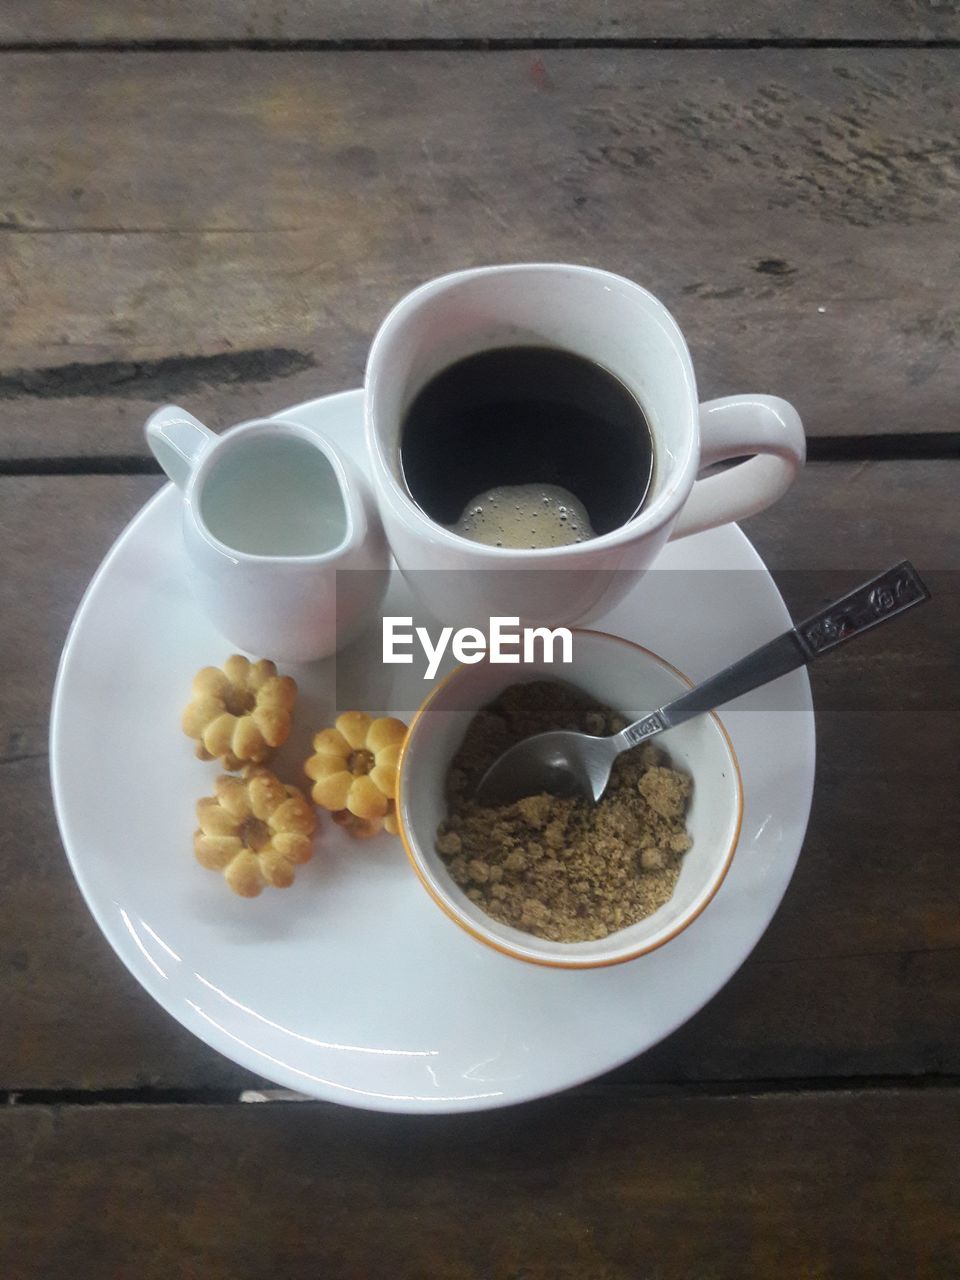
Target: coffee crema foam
[{"x": 525, "y": 517}]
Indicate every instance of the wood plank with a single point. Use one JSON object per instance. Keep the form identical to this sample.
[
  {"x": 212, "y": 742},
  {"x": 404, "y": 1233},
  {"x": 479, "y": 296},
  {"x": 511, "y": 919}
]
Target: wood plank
[
  {"x": 227, "y": 229},
  {"x": 37, "y": 21},
  {"x": 859, "y": 973},
  {"x": 597, "y": 1188}
]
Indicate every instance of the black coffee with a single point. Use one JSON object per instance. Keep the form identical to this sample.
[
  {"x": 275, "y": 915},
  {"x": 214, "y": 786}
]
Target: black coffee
[{"x": 527, "y": 447}]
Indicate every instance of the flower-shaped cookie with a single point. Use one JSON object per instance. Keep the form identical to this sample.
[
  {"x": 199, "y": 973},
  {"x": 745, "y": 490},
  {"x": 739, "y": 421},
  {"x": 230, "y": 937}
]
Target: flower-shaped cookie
[
  {"x": 255, "y": 830},
  {"x": 354, "y": 765},
  {"x": 241, "y": 712}
]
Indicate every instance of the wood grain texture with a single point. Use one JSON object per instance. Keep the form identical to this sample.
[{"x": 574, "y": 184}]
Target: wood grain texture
[
  {"x": 113, "y": 20},
  {"x": 859, "y": 974},
  {"x": 227, "y": 229},
  {"x": 585, "y": 1188}
]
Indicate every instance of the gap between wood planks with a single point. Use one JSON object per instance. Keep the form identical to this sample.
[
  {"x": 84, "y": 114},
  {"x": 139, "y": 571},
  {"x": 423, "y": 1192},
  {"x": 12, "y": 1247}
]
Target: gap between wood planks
[
  {"x": 491, "y": 44},
  {"x": 146, "y": 1096},
  {"x": 936, "y": 445}
]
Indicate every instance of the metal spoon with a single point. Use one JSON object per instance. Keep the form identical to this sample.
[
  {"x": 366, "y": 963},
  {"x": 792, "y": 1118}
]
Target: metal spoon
[{"x": 567, "y": 763}]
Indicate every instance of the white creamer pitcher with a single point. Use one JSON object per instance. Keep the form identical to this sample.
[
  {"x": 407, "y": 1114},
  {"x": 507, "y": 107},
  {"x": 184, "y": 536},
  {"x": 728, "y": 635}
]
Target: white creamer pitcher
[{"x": 277, "y": 525}]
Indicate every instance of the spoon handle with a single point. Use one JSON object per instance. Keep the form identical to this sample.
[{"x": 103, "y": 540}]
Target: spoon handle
[{"x": 876, "y": 601}]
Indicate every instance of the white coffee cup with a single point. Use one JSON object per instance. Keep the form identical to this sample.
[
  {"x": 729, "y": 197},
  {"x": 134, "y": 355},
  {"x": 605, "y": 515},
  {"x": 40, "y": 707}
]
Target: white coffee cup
[
  {"x": 287, "y": 553},
  {"x": 627, "y": 331}
]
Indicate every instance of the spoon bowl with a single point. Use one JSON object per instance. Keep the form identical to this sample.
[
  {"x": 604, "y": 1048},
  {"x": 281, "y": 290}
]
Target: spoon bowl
[{"x": 562, "y": 763}]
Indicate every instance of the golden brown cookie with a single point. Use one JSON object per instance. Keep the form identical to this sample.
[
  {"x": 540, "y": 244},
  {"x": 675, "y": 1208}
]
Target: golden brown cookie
[
  {"x": 255, "y": 830},
  {"x": 354, "y": 766},
  {"x": 240, "y": 712}
]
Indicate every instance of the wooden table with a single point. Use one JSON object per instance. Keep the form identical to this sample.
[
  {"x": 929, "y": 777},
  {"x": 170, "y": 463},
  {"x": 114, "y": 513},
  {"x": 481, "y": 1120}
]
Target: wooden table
[{"x": 215, "y": 202}]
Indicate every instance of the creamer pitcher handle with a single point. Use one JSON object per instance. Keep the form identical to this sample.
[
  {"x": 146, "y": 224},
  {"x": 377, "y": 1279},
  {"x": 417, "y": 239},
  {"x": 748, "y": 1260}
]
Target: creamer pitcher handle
[
  {"x": 177, "y": 440},
  {"x": 733, "y": 428}
]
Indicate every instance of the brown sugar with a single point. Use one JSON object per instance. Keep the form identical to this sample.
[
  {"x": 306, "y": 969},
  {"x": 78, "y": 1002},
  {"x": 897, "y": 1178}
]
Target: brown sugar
[{"x": 564, "y": 869}]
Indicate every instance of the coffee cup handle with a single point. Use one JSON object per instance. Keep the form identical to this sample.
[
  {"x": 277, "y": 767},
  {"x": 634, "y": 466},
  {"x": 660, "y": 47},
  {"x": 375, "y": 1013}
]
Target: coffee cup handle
[
  {"x": 177, "y": 440},
  {"x": 734, "y": 427}
]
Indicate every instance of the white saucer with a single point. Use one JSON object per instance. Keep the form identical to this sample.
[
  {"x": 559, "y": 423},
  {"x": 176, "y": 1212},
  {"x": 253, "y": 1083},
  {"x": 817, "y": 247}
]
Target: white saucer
[{"x": 352, "y": 986}]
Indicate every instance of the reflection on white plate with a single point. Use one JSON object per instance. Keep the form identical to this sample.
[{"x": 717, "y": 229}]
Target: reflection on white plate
[{"x": 352, "y": 986}]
